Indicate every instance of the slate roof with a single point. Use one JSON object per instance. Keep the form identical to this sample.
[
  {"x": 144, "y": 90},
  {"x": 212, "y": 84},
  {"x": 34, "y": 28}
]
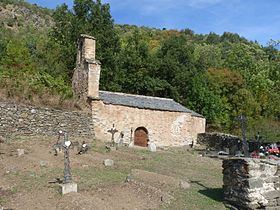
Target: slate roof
[{"x": 144, "y": 102}]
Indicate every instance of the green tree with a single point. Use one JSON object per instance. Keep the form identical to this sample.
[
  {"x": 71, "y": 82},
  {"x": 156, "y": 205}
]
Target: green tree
[
  {"x": 205, "y": 101},
  {"x": 92, "y": 18}
]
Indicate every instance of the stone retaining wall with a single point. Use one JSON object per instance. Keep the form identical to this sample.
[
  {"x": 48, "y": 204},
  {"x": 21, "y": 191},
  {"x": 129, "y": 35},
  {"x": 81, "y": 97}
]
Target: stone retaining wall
[
  {"x": 220, "y": 141},
  {"x": 29, "y": 120},
  {"x": 251, "y": 183}
]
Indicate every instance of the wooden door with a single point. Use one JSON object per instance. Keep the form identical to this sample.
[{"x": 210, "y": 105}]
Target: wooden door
[{"x": 141, "y": 137}]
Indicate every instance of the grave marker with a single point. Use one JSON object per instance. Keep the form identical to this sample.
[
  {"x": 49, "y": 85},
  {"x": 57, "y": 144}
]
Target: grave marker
[
  {"x": 68, "y": 185},
  {"x": 113, "y": 130}
]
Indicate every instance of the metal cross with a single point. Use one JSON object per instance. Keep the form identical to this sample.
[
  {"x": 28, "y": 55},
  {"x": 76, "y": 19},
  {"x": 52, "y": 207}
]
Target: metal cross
[
  {"x": 242, "y": 119},
  {"x": 113, "y": 130},
  {"x": 67, "y": 169}
]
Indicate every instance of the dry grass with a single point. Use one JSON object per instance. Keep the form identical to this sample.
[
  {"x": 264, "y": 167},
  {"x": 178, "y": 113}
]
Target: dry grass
[
  {"x": 47, "y": 100},
  {"x": 204, "y": 175}
]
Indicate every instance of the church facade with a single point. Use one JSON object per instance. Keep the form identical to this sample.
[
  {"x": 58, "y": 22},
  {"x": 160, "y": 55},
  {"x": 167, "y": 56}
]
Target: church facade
[{"x": 132, "y": 119}]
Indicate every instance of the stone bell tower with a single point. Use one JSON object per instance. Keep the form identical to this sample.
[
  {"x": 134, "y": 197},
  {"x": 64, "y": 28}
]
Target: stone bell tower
[{"x": 85, "y": 81}]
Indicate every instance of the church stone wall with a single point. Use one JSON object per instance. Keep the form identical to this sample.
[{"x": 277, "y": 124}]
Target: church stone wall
[
  {"x": 164, "y": 128},
  {"x": 93, "y": 79},
  {"x": 198, "y": 126}
]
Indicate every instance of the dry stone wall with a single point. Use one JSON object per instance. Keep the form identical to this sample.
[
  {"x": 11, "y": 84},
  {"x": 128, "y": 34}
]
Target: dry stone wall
[
  {"x": 29, "y": 120},
  {"x": 220, "y": 141},
  {"x": 251, "y": 183}
]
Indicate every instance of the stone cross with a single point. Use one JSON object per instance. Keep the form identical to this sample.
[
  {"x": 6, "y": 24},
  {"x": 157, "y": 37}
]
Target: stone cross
[
  {"x": 113, "y": 130},
  {"x": 242, "y": 119},
  {"x": 67, "y": 168}
]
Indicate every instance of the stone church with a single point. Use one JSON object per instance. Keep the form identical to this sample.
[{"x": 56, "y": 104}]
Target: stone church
[{"x": 132, "y": 119}]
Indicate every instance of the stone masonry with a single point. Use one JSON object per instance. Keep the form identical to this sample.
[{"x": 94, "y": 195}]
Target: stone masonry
[
  {"x": 86, "y": 75},
  {"x": 29, "y": 120},
  {"x": 164, "y": 128},
  {"x": 251, "y": 183},
  {"x": 165, "y": 122},
  {"x": 220, "y": 141}
]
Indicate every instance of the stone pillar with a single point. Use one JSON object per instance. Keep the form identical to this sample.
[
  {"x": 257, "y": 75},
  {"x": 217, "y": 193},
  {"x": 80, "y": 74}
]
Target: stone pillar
[{"x": 251, "y": 183}]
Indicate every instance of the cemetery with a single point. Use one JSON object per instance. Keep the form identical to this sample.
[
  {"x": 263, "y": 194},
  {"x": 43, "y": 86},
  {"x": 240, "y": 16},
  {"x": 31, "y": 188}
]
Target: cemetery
[
  {"x": 87, "y": 174},
  {"x": 128, "y": 152},
  {"x": 125, "y": 178}
]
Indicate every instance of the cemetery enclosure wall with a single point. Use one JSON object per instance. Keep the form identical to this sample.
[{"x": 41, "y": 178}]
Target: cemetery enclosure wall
[
  {"x": 165, "y": 128},
  {"x": 29, "y": 120}
]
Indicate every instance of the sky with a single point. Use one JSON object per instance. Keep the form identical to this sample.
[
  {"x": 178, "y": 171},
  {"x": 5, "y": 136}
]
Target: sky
[{"x": 256, "y": 20}]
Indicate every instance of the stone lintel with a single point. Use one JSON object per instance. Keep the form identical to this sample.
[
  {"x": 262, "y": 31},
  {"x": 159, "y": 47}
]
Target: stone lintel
[
  {"x": 87, "y": 36},
  {"x": 68, "y": 188}
]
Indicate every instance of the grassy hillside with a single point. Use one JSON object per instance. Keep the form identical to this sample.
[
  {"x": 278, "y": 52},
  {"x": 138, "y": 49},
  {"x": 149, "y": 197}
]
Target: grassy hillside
[{"x": 218, "y": 76}]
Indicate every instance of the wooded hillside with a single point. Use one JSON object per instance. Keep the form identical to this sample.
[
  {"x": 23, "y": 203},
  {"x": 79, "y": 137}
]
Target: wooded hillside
[{"x": 219, "y": 76}]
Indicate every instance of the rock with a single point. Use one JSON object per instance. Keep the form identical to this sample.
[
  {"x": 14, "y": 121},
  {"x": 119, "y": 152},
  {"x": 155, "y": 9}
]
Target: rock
[
  {"x": 166, "y": 198},
  {"x": 110, "y": 148},
  {"x": 2, "y": 140},
  {"x": 223, "y": 153},
  {"x": 129, "y": 178},
  {"x": 43, "y": 163},
  {"x": 152, "y": 147},
  {"x": 184, "y": 185},
  {"x": 20, "y": 152},
  {"x": 108, "y": 162},
  {"x": 113, "y": 148},
  {"x": 272, "y": 194}
]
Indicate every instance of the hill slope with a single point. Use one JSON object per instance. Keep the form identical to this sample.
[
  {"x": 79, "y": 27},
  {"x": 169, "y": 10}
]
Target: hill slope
[{"x": 15, "y": 14}]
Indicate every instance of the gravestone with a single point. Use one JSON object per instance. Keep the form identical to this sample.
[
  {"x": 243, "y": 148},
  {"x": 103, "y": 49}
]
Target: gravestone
[
  {"x": 152, "y": 147},
  {"x": 20, "y": 152}
]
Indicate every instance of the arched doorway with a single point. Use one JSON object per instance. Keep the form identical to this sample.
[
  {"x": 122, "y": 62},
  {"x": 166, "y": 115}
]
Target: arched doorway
[{"x": 141, "y": 137}]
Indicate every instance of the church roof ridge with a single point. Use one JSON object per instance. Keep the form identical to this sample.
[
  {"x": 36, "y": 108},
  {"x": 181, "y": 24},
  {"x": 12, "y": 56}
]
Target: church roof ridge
[{"x": 135, "y": 95}]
